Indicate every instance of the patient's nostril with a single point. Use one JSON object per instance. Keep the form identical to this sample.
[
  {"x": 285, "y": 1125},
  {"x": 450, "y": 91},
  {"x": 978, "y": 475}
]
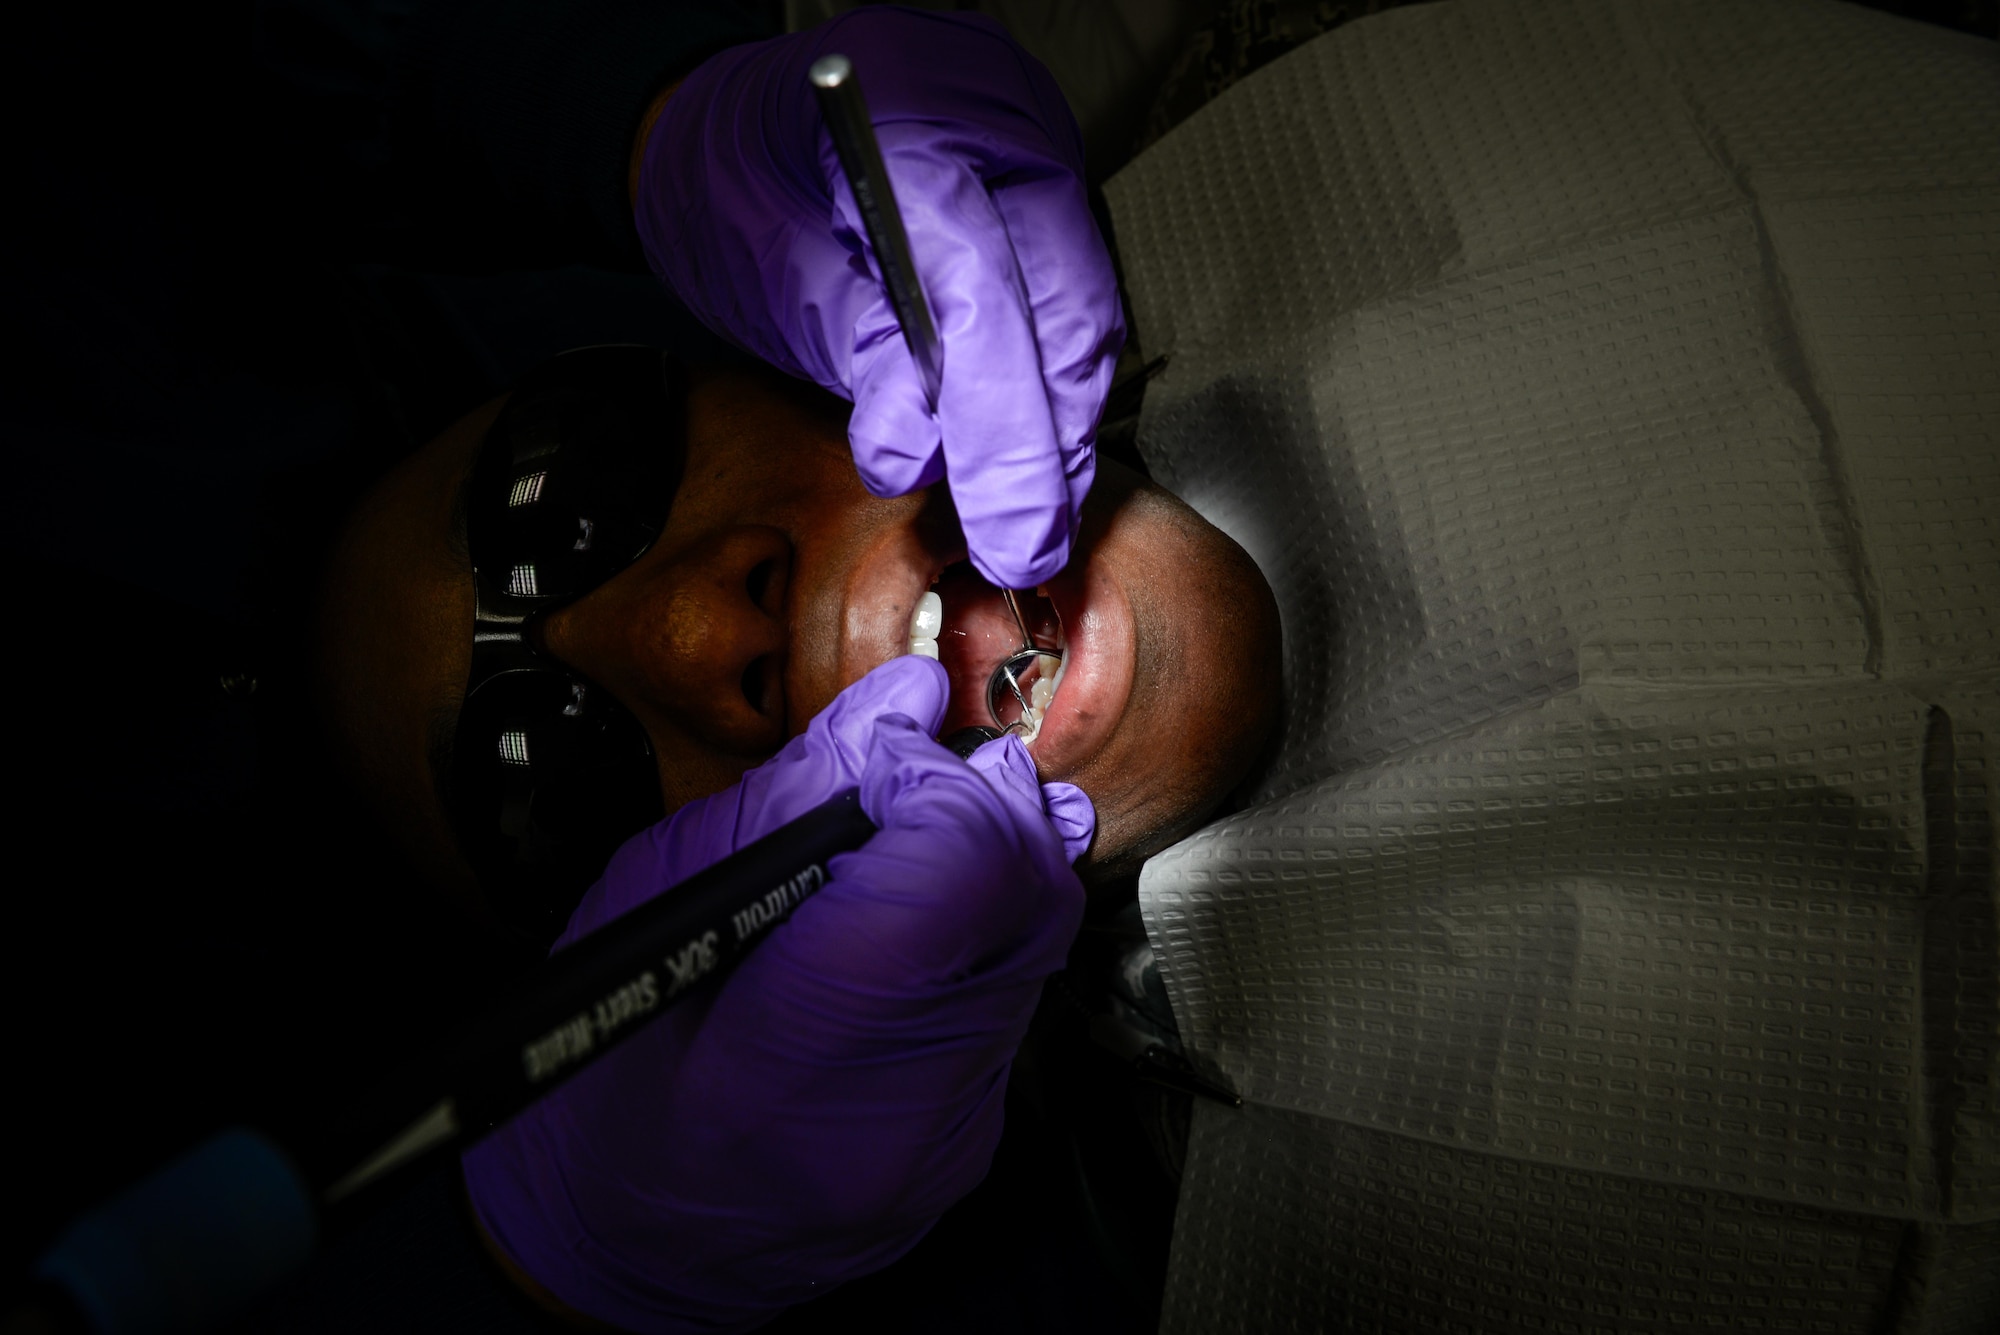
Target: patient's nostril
[
  {"x": 758, "y": 583},
  {"x": 757, "y": 683}
]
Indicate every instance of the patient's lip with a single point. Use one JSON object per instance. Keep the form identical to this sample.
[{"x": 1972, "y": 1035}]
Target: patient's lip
[
  {"x": 1098, "y": 668},
  {"x": 1098, "y": 629}
]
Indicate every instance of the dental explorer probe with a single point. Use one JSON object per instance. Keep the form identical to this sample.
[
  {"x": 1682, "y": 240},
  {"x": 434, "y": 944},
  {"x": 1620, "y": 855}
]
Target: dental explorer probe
[
  {"x": 845, "y": 111},
  {"x": 1014, "y": 668}
]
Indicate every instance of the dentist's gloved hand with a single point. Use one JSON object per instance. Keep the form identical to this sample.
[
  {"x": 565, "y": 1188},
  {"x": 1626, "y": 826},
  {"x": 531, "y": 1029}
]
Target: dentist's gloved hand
[
  {"x": 809, "y": 1122},
  {"x": 745, "y": 213}
]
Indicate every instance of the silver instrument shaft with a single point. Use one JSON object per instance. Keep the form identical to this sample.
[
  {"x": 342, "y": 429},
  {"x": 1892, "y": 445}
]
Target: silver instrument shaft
[{"x": 846, "y": 114}]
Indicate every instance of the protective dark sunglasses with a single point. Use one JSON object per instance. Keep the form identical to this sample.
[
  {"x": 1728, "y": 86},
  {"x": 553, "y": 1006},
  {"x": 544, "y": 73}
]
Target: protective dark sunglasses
[{"x": 548, "y": 773}]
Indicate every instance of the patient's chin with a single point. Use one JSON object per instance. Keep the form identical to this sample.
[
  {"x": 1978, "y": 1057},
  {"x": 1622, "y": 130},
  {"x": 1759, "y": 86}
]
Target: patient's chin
[{"x": 1205, "y": 699}]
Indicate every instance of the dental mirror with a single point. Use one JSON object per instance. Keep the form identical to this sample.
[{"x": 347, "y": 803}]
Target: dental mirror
[{"x": 1021, "y": 687}]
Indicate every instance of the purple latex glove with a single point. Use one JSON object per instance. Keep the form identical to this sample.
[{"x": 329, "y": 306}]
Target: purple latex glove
[
  {"x": 808, "y": 1123},
  {"x": 745, "y": 213}
]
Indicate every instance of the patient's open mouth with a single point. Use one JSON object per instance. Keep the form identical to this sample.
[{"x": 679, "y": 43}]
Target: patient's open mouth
[
  {"x": 1083, "y": 611},
  {"x": 964, "y": 622}
]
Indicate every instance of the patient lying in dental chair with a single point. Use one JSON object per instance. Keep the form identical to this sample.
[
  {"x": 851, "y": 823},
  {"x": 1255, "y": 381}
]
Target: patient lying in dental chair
[{"x": 776, "y": 581}]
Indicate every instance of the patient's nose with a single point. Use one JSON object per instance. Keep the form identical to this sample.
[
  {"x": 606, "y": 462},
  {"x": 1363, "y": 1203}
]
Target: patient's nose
[{"x": 701, "y": 637}]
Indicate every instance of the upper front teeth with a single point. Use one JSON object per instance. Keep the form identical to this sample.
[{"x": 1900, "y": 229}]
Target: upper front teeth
[{"x": 925, "y": 623}]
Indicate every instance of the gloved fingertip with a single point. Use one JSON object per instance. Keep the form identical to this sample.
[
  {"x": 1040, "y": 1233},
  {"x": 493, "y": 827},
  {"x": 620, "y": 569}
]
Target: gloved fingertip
[
  {"x": 908, "y": 684},
  {"x": 897, "y": 443},
  {"x": 1008, "y": 568},
  {"x": 1005, "y": 753},
  {"x": 919, "y": 686},
  {"x": 1074, "y": 818},
  {"x": 1079, "y": 484},
  {"x": 901, "y": 761},
  {"x": 1006, "y": 762},
  {"x": 914, "y": 668}
]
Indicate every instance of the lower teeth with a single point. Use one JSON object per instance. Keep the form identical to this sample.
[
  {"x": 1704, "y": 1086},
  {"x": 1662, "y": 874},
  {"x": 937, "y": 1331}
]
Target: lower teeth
[
  {"x": 1045, "y": 691},
  {"x": 1006, "y": 697}
]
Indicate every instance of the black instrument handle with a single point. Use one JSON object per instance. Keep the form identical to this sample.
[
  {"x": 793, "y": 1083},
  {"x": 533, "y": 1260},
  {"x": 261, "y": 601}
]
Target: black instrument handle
[{"x": 581, "y": 1003}]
